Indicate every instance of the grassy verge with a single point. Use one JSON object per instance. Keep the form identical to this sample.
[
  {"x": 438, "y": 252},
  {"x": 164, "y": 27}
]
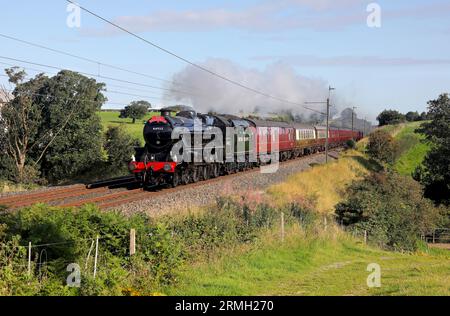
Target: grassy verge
[
  {"x": 412, "y": 147},
  {"x": 111, "y": 118},
  {"x": 333, "y": 264},
  {"x": 316, "y": 262},
  {"x": 7, "y": 187},
  {"x": 318, "y": 182}
]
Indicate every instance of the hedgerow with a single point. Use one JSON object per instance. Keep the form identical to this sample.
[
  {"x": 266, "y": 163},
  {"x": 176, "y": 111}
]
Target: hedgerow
[{"x": 60, "y": 237}]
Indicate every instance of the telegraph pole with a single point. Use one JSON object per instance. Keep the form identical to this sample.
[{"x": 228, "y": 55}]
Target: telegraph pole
[
  {"x": 364, "y": 130},
  {"x": 328, "y": 129},
  {"x": 328, "y": 123},
  {"x": 353, "y": 119},
  {"x": 327, "y": 142},
  {"x": 328, "y": 103}
]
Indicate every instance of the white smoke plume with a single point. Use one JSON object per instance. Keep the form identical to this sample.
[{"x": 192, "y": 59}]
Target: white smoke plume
[{"x": 214, "y": 94}]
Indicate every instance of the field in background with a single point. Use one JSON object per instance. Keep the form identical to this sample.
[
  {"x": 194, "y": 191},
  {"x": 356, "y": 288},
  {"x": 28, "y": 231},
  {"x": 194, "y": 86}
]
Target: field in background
[{"x": 111, "y": 118}]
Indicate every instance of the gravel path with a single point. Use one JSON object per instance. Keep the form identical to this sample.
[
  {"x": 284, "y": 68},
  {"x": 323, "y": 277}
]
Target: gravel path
[{"x": 193, "y": 197}]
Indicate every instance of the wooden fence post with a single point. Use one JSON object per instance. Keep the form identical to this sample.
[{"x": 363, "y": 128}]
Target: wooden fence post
[
  {"x": 282, "y": 227},
  {"x": 325, "y": 223},
  {"x": 29, "y": 258},
  {"x": 132, "y": 242},
  {"x": 96, "y": 257},
  {"x": 365, "y": 236},
  {"x": 89, "y": 255}
]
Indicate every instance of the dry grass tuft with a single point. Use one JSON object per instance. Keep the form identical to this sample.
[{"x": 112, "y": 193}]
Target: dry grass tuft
[{"x": 325, "y": 183}]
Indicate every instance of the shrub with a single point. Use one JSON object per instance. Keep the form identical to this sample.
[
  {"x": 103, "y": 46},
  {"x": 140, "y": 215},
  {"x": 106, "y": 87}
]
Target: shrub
[
  {"x": 119, "y": 147},
  {"x": 382, "y": 147},
  {"x": 66, "y": 235},
  {"x": 71, "y": 232},
  {"x": 391, "y": 208},
  {"x": 350, "y": 144}
]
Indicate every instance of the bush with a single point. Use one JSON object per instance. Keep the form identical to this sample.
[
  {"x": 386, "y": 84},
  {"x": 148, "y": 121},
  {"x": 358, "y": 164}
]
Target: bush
[
  {"x": 350, "y": 144},
  {"x": 71, "y": 232},
  {"x": 391, "y": 208},
  {"x": 6, "y": 168},
  {"x": 162, "y": 247},
  {"x": 119, "y": 147},
  {"x": 382, "y": 147}
]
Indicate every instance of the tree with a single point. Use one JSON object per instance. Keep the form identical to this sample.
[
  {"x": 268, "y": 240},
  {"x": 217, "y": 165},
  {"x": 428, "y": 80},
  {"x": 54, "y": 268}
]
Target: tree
[
  {"x": 136, "y": 110},
  {"x": 423, "y": 116},
  {"x": 435, "y": 173},
  {"x": 119, "y": 146},
  {"x": 6, "y": 164},
  {"x": 70, "y": 125},
  {"x": 21, "y": 118},
  {"x": 51, "y": 124},
  {"x": 382, "y": 147},
  {"x": 388, "y": 117},
  {"x": 412, "y": 116}
]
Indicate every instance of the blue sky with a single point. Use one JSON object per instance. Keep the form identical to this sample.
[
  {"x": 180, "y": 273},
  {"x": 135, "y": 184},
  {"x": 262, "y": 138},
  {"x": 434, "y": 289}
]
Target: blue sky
[{"x": 401, "y": 65}]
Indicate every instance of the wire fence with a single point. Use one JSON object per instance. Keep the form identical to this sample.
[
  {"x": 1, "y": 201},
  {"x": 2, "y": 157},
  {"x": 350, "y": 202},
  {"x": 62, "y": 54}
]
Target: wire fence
[
  {"x": 34, "y": 258},
  {"x": 437, "y": 236}
]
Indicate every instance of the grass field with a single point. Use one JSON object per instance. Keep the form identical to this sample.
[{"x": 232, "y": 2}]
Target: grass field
[
  {"x": 111, "y": 118},
  {"x": 333, "y": 264},
  {"x": 413, "y": 149}
]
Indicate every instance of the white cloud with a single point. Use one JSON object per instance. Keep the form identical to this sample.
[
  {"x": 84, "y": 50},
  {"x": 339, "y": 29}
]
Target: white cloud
[
  {"x": 353, "y": 61},
  {"x": 263, "y": 16},
  {"x": 268, "y": 15},
  {"x": 321, "y": 5}
]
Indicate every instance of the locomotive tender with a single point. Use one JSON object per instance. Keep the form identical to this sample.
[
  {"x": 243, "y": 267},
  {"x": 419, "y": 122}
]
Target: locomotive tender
[{"x": 182, "y": 146}]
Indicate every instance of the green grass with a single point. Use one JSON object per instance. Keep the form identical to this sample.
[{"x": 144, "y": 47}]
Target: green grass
[
  {"x": 111, "y": 118},
  {"x": 412, "y": 147},
  {"x": 316, "y": 266}
]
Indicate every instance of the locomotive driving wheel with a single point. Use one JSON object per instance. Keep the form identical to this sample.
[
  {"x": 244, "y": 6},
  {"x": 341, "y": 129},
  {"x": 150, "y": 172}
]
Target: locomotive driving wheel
[
  {"x": 195, "y": 175},
  {"x": 185, "y": 177},
  {"x": 205, "y": 172},
  {"x": 175, "y": 181},
  {"x": 215, "y": 172}
]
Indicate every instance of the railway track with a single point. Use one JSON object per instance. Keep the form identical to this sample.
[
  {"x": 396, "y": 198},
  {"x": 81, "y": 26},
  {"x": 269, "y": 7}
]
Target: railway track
[{"x": 110, "y": 193}]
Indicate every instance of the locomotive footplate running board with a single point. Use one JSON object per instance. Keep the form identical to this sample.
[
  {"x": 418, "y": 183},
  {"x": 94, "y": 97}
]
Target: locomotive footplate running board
[{"x": 156, "y": 167}]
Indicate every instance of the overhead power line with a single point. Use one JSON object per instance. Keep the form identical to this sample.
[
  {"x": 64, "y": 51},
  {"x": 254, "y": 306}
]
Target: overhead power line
[
  {"x": 93, "y": 75},
  {"x": 107, "y": 91},
  {"x": 88, "y": 59},
  {"x": 52, "y": 97},
  {"x": 215, "y": 74}
]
